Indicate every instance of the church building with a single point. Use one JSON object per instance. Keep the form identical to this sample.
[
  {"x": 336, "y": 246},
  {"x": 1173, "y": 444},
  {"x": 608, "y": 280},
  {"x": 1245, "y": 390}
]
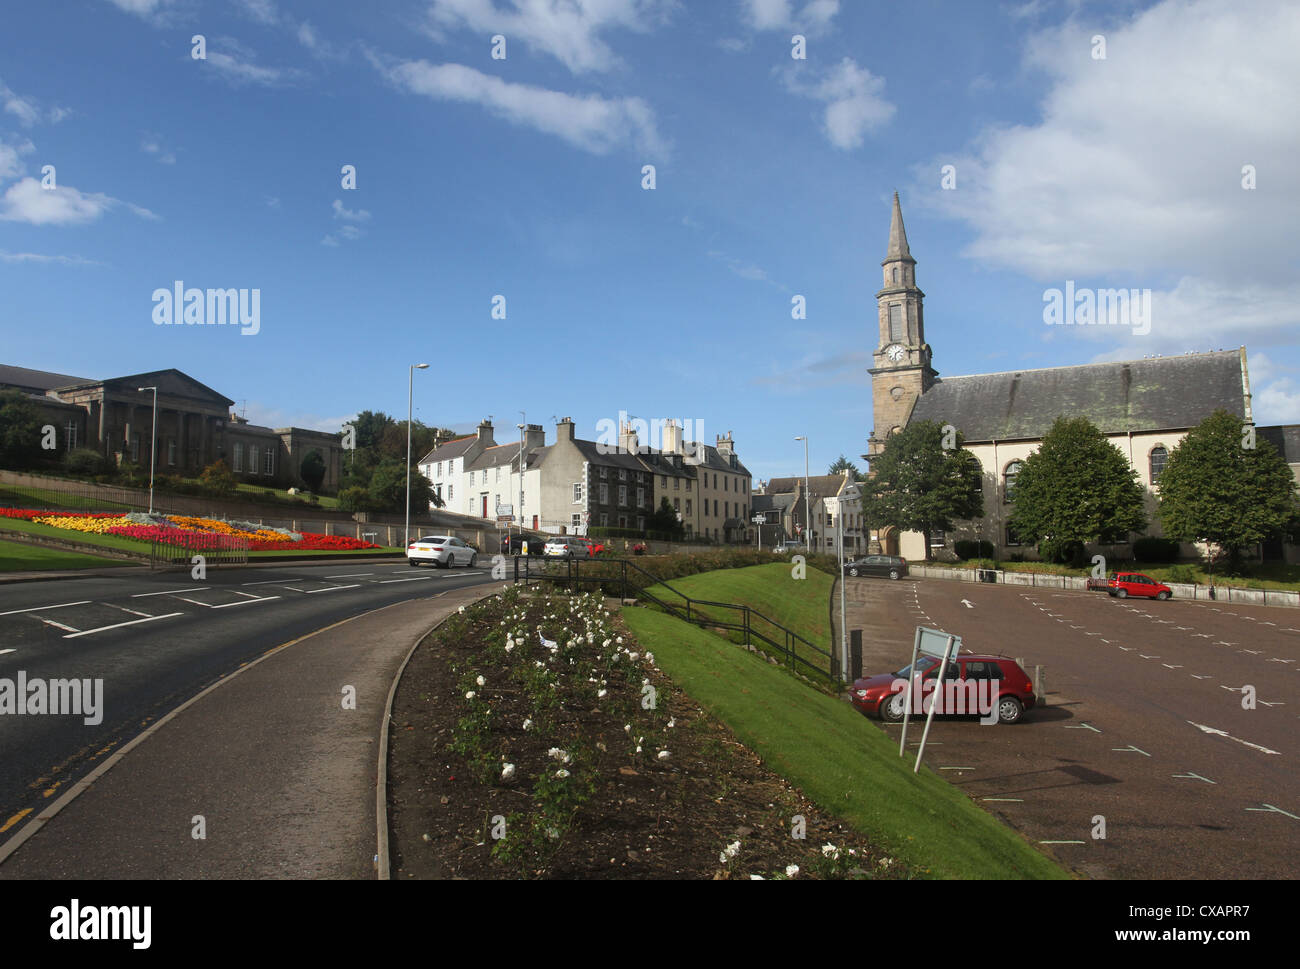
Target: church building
[{"x": 1145, "y": 408}]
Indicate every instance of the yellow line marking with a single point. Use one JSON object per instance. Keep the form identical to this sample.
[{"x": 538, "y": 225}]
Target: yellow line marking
[{"x": 15, "y": 819}]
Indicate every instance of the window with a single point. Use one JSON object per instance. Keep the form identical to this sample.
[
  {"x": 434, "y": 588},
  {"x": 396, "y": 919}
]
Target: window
[
  {"x": 677, "y": 483},
  {"x": 688, "y": 484},
  {"x": 622, "y": 495},
  {"x": 604, "y": 472},
  {"x": 622, "y": 474},
  {"x": 938, "y": 538},
  {"x": 577, "y": 522},
  {"x": 896, "y": 322},
  {"x": 830, "y": 520},
  {"x": 640, "y": 497},
  {"x": 135, "y": 449},
  {"x": 663, "y": 481},
  {"x": 677, "y": 505},
  {"x": 1159, "y": 458},
  {"x": 498, "y": 474},
  {"x": 239, "y": 457},
  {"x": 715, "y": 508},
  {"x": 688, "y": 505},
  {"x": 1011, "y": 537},
  {"x": 726, "y": 509},
  {"x": 604, "y": 520},
  {"x": 451, "y": 492},
  {"x": 640, "y": 523},
  {"x": 895, "y": 274},
  {"x": 622, "y": 521},
  {"x": 268, "y": 461},
  {"x": 1009, "y": 482},
  {"x": 71, "y": 432},
  {"x": 171, "y": 451},
  {"x": 726, "y": 483},
  {"x": 604, "y": 493},
  {"x": 577, "y": 493}
]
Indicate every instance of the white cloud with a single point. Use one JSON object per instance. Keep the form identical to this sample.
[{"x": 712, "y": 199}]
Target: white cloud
[
  {"x": 42, "y": 259},
  {"x": 854, "y": 97},
  {"x": 27, "y": 109},
  {"x": 238, "y": 68},
  {"x": 310, "y": 38},
  {"x": 590, "y": 122},
  {"x": 349, "y": 215},
  {"x": 1278, "y": 403},
  {"x": 348, "y": 232},
  {"x": 263, "y": 11},
  {"x": 152, "y": 145},
  {"x": 568, "y": 30},
  {"x": 814, "y": 17},
  {"x": 141, "y": 8},
  {"x": 10, "y": 163},
  {"x": 26, "y": 201}
]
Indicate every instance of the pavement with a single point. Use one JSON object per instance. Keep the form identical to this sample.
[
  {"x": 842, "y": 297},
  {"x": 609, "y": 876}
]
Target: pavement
[{"x": 267, "y": 774}]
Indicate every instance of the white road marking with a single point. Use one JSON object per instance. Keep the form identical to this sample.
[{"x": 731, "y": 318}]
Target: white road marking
[
  {"x": 1144, "y": 656},
  {"x": 1200, "y": 676},
  {"x": 3, "y": 651},
  {"x": 425, "y": 578},
  {"x": 349, "y": 575},
  {"x": 1224, "y": 733},
  {"x": 1018, "y": 800},
  {"x": 1062, "y": 842},
  {"x": 65, "y": 605},
  {"x": 272, "y": 582},
  {"x": 1176, "y": 667},
  {"x": 59, "y": 625},
  {"x": 1131, "y": 749},
  {"x": 133, "y": 622},
  {"x": 1191, "y": 775},
  {"x": 145, "y": 595},
  {"x": 1127, "y": 649},
  {"x": 1253, "y": 652},
  {"x": 1268, "y": 807},
  {"x": 1081, "y": 726},
  {"x": 333, "y": 588},
  {"x": 1276, "y": 660},
  {"x": 246, "y": 602},
  {"x": 134, "y": 612}
]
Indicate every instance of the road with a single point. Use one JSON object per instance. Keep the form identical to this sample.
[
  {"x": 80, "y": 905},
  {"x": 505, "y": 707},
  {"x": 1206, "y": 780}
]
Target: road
[
  {"x": 155, "y": 640},
  {"x": 1145, "y": 725}
]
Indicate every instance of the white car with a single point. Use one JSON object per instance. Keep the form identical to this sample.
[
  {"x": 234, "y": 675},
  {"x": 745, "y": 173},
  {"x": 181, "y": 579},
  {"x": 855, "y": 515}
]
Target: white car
[
  {"x": 566, "y": 547},
  {"x": 786, "y": 547},
  {"x": 444, "y": 551}
]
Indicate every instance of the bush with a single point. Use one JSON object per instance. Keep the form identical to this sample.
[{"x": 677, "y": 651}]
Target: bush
[
  {"x": 84, "y": 462},
  {"x": 1152, "y": 549},
  {"x": 1180, "y": 573},
  {"x": 217, "y": 478},
  {"x": 355, "y": 498},
  {"x": 967, "y": 549}
]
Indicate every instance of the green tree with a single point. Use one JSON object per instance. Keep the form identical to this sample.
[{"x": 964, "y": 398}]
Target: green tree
[
  {"x": 20, "y": 431},
  {"x": 1217, "y": 489},
  {"x": 218, "y": 479},
  {"x": 387, "y": 490},
  {"x": 1076, "y": 488},
  {"x": 917, "y": 485},
  {"x": 841, "y": 464},
  {"x": 312, "y": 470},
  {"x": 665, "y": 520}
]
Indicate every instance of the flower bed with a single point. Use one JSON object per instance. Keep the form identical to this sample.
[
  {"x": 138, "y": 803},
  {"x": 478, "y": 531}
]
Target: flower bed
[{"x": 189, "y": 531}]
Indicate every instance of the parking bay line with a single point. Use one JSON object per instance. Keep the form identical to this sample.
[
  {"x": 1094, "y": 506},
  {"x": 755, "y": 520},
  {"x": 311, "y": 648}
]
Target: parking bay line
[
  {"x": 3, "y": 651},
  {"x": 63, "y": 605},
  {"x": 133, "y": 622},
  {"x": 145, "y": 595}
]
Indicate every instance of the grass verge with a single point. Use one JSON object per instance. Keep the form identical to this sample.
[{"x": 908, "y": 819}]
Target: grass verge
[
  {"x": 16, "y": 557},
  {"x": 838, "y": 759}
]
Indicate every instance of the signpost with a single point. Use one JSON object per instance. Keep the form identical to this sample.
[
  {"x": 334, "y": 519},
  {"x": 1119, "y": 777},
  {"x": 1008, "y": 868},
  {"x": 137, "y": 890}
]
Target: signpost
[
  {"x": 760, "y": 521},
  {"x": 930, "y": 642}
]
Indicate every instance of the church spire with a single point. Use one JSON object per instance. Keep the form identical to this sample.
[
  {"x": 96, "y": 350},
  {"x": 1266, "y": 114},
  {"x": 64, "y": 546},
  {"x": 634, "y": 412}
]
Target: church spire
[{"x": 897, "y": 236}]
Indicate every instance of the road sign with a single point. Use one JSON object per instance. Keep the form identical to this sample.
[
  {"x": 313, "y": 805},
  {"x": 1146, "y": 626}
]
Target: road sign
[
  {"x": 934, "y": 643},
  {"x": 505, "y": 511},
  {"x": 760, "y": 519}
]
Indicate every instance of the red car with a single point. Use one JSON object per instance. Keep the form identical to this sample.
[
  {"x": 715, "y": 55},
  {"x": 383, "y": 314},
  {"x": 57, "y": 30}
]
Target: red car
[
  {"x": 974, "y": 683},
  {"x": 1127, "y": 584}
]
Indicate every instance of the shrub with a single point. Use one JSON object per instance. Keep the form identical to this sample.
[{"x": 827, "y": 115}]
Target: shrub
[
  {"x": 85, "y": 462},
  {"x": 1181, "y": 573},
  {"x": 1152, "y": 549},
  {"x": 355, "y": 498},
  {"x": 217, "y": 478},
  {"x": 967, "y": 549}
]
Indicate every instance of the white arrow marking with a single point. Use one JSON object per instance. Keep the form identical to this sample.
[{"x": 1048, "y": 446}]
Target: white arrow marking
[
  {"x": 1275, "y": 703},
  {"x": 1200, "y": 676},
  {"x": 1269, "y": 807},
  {"x": 1144, "y": 656},
  {"x": 1128, "y": 649},
  {"x": 1194, "y": 776},
  {"x": 968, "y": 604},
  {"x": 1224, "y": 733},
  {"x": 1167, "y": 666},
  {"x": 1081, "y": 726},
  {"x": 1130, "y": 749}
]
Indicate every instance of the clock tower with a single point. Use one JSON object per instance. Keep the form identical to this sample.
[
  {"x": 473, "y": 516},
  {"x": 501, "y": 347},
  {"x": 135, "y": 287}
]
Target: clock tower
[{"x": 902, "y": 370}]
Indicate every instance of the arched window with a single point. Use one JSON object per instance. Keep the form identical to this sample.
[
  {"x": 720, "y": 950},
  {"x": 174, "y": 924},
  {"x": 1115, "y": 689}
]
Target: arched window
[
  {"x": 1009, "y": 481},
  {"x": 895, "y": 274},
  {"x": 1159, "y": 458}
]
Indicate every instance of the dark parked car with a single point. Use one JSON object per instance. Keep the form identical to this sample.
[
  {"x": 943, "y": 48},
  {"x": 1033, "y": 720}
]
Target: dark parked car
[
  {"x": 888, "y": 566},
  {"x": 1001, "y": 681},
  {"x": 513, "y": 545},
  {"x": 1127, "y": 584}
]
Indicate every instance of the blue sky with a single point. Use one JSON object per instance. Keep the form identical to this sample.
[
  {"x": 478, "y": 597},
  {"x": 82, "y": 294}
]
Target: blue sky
[{"x": 522, "y": 177}]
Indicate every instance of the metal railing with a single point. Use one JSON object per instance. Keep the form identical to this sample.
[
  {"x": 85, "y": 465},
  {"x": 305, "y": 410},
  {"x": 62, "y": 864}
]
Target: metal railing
[
  {"x": 180, "y": 552},
  {"x": 626, "y": 579}
]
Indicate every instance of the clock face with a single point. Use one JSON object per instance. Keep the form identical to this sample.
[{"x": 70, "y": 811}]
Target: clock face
[{"x": 895, "y": 352}]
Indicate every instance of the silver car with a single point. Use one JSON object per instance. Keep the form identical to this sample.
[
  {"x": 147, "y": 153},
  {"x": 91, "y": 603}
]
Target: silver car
[
  {"x": 566, "y": 547},
  {"x": 443, "y": 551}
]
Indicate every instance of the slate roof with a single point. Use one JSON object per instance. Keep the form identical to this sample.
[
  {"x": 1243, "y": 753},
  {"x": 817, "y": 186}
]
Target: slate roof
[
  {"x": 820, "y": 485},
  {"x": 41, "y": 380},
  {"x": 499, "y": 454},
  {"x": 1161, "y": 393},
  {"x": 1286, "y": 438},
  {"x": 450, "y": 449}
]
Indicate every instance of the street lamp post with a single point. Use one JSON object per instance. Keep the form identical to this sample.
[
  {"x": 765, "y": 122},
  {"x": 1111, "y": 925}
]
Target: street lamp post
[
  {"x": 523, "y": 430},
  {"x": 807, "y": 513},
  {"x": 410, "y": 391},
  {"x": 153, "y": 441}
]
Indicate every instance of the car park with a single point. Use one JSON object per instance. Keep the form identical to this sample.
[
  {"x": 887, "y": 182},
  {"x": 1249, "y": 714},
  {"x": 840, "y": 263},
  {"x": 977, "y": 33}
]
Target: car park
[
  {"x": 886, "y": 566},
  {"x": 566, "y": 547},
  {"x": 1126, "y": 584},
  {"x": 444, "y": 551},
  {"x": 884, "y": 695}
]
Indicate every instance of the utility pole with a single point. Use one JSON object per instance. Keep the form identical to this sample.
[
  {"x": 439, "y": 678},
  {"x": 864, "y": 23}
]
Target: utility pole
[{"x": 410, "y": 390}]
